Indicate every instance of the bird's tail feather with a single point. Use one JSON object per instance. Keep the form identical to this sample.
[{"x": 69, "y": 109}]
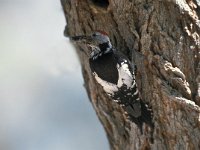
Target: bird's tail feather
[
  {"x": 147, "y": 114},
  {"x": 145, "y": 117}
]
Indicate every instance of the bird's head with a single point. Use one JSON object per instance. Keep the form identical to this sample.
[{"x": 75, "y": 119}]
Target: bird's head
[
  {"x": 98, "y": 41},
  {"x": 100, "y": 37}
]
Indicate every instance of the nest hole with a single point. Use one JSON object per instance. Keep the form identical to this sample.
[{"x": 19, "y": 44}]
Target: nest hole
[{"x": 101, "y": 3}]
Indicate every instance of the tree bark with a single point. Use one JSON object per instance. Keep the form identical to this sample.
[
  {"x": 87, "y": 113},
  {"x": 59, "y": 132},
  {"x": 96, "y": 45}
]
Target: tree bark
[{"x": 163, "y": 39}]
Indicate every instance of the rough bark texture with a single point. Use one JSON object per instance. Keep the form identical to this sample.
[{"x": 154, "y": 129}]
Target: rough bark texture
[{"x": 163, "y": 39}]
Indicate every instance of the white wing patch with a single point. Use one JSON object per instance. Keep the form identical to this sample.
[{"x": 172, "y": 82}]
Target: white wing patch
[
  {"x": 109, "y": 88},
  {"x": 125, "y": 76}
]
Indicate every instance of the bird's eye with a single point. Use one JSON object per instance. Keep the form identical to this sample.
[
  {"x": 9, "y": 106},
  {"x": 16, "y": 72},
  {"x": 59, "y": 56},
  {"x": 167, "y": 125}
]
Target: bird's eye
[{"x": 94, "y": 34}]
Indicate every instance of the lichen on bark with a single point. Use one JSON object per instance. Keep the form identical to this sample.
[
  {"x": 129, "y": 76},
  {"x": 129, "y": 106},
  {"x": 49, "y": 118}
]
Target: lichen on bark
[{"x": 163, "y": 39}]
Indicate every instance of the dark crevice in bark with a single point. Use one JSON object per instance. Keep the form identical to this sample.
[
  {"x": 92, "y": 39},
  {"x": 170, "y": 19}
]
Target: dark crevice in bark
[{"x": 101, "y": 3}]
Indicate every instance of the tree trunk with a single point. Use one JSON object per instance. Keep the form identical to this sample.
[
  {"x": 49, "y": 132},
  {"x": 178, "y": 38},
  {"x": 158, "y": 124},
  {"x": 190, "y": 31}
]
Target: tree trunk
[{"x": 163, "y": 39}]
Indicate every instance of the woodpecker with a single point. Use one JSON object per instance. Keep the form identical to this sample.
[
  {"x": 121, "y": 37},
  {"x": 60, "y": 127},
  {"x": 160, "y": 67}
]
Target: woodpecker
[{"x": 116, "y": 74}]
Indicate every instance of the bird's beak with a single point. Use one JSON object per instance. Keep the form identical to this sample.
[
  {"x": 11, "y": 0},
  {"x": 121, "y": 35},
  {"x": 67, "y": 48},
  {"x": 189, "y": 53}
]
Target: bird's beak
[
  {"x": 84, "y": 38},
  {"x": 80, "y": 38}
]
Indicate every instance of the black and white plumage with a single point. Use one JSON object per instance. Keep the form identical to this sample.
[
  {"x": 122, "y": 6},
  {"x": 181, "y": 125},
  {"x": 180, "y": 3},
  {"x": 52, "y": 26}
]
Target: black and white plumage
[{"x": 116, "y": 74}]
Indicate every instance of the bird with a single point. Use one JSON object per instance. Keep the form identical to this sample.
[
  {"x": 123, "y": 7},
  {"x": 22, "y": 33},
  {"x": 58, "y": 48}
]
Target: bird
[{"x": 116, "y": 74}]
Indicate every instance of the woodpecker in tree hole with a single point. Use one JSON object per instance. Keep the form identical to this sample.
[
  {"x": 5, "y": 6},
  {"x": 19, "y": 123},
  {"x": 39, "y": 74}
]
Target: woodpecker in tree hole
[{"x": 116, "y": 74}]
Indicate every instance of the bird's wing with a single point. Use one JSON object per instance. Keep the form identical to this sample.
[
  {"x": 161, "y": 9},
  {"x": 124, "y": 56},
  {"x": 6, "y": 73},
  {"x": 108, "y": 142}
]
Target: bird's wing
[{"x": 126, "y": 75}]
